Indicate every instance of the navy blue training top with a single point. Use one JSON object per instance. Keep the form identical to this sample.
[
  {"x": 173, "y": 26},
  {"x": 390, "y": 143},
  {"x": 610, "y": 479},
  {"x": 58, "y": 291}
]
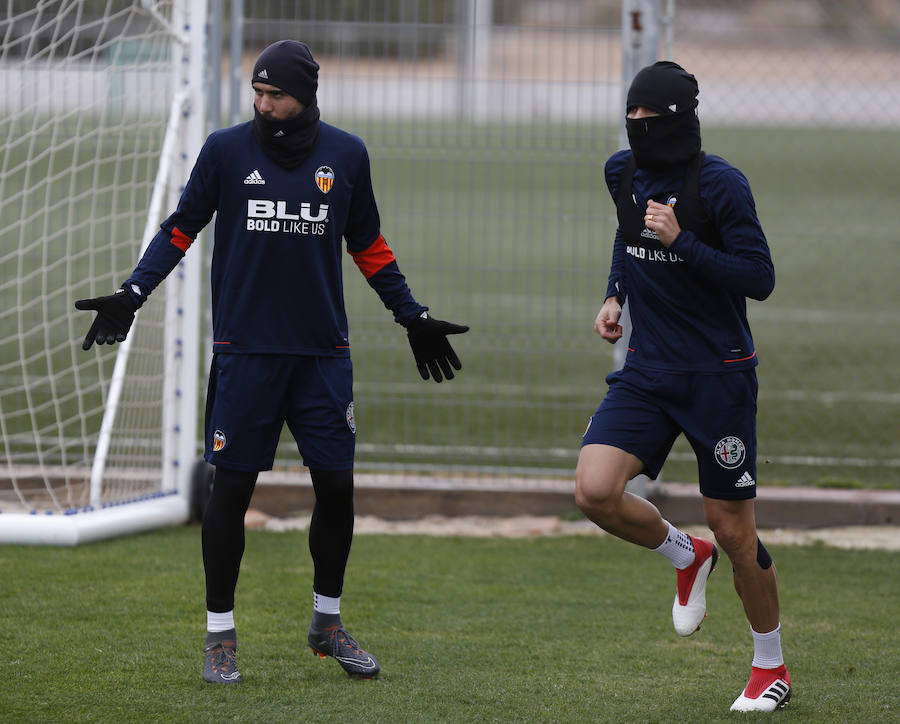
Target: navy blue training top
[
  {"x": 688, "y": 303},
  {"x": 276, "y": 276}
]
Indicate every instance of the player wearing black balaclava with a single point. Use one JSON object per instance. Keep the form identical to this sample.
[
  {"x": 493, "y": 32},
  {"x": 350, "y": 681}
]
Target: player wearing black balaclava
[
  {"x": 673, "y": 136},
  {"x": 689, "y": 251}
]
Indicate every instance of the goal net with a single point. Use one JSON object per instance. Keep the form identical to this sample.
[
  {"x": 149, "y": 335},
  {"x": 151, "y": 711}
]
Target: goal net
[{"x": 101, "y": 103}]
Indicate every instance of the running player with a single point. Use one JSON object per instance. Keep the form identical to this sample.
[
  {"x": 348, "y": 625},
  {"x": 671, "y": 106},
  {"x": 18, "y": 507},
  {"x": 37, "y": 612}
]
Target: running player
[{"x": 688, "y": 252}]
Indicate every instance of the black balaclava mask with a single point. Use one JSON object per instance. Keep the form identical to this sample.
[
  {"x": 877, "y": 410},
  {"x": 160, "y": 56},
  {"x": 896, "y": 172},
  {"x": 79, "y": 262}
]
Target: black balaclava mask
[
  {"x": 673, "y": 136},
  {"x": 288, "y": 65}
]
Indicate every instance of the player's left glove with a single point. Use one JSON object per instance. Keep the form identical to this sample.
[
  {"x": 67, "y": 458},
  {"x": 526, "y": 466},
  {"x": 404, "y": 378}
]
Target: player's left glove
[
  {"x": 433, "y": 353},
  {"x": 115, "y": 314}
]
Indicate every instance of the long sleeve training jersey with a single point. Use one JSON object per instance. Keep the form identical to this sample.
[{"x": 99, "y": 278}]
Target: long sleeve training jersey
[
  {"x": 688, "y": 302},
  {"x": 276, "y": 278}
]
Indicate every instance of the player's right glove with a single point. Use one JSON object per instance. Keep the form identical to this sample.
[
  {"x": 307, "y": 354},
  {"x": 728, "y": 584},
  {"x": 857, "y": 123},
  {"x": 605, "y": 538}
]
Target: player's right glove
[
  {"x": 433, "y": 353},
  {"x": 115, "y": 314}
]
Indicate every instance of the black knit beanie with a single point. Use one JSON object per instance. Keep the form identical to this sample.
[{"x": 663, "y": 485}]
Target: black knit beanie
[
  {"x": 290, "y": 66},
  {"x": 664, "y": 87}
]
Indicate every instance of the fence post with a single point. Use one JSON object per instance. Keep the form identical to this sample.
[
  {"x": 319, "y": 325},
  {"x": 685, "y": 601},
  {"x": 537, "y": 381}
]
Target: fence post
[{"x": 641, "y": 21}]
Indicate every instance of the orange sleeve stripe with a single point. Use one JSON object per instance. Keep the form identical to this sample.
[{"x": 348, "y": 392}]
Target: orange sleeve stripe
[
  {"x": 180, "y": 239},
  {"x": 373, "y": 259}
]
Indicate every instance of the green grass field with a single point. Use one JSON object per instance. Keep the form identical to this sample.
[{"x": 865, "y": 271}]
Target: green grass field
[
  {"x": 569, "y": 629},
  {"x": 509, "y": 229}
]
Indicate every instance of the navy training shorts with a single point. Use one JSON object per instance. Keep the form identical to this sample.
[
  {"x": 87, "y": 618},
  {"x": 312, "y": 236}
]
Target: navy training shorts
[
  {"x": 644, "y": 412},
  {"x": 251, "y": 396}
]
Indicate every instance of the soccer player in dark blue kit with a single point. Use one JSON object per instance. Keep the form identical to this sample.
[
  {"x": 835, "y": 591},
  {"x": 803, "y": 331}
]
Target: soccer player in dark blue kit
[
  {"x": 287, "y": 188},
  {"x": 688, "y": 251}
]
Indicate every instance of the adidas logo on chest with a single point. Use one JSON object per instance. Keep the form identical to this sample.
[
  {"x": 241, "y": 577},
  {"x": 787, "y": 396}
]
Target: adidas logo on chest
[{"x": 255, "y": 178}]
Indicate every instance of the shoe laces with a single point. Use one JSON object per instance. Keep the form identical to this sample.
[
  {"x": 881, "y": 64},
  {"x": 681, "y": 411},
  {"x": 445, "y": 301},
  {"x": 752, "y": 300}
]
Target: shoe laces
[
  {"x": 221, "y": 657},
  {"x": 343, "y": 638}
]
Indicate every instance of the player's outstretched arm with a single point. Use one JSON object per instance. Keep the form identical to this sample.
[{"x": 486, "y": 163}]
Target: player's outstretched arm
[
  {"x": 115, "y": 315},
  {"x": 433, "y": 353}
]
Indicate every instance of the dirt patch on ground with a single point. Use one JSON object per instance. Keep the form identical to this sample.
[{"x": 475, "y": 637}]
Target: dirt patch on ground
[{"x": 859, "y": 537}]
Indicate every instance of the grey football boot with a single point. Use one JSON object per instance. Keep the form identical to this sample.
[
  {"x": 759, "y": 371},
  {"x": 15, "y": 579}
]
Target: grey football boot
[
  {"x": 328, "y": 637},
  {"x": 219, "y": 660}
]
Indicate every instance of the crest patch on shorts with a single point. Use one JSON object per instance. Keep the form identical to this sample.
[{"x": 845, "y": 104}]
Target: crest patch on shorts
[
  {"x": 730, "y": 452},
  {"x": 351, "y": 421},
  {"x": 219, "y": 440}
]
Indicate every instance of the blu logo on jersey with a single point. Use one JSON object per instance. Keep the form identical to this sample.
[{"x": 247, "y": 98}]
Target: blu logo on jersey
[
  {"x": 267, "y": 215},
  {"x": 266, "y": 209}
]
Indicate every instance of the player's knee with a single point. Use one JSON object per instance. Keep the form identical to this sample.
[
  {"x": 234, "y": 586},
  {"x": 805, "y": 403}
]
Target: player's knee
[
  {"x": 233, "y": 487},
  {"x": 240, "y": 479},
  {"x": 595, "y": 497},
  {"x": 582, "y": 499},
  {"x": 735, "y": 541},
  {"x": 333, "y": 488},
  {"x": 732, "y": 523}
]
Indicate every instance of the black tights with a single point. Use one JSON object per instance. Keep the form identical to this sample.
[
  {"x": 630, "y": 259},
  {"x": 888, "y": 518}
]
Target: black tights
[
  {"x": 330, "y": 532},
  {"x": 331, "y": 529}
]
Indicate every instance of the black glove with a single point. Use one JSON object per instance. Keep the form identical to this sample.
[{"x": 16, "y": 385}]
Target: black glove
[
  {"x": 433, "y": 353},
  {"x": 115, "y": 315}
]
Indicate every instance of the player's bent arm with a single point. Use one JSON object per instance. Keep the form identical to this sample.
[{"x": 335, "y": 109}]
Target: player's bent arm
[
  {"x": 745, "y": 265},
  {"x": 750, "y": 274}
]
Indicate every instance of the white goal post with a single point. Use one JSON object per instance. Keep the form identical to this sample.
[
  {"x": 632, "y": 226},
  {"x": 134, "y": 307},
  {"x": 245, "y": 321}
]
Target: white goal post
[{"x": 103, "y": 113}]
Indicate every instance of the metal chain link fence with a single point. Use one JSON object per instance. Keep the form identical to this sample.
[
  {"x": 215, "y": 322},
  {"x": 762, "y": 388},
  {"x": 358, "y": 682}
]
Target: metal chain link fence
[{"x": 488, "y": 124}]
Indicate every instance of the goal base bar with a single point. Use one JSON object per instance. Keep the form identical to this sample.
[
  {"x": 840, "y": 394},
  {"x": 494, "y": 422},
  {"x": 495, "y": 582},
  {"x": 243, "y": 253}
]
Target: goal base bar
[{"x": 110, "y": 522}]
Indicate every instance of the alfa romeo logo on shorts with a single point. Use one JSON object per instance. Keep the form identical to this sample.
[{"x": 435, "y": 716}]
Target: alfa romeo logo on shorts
[
  {"x": 730, "y": 452},
  {"x": 219, "y": 440},
  {"x": 351, "y": 421}
]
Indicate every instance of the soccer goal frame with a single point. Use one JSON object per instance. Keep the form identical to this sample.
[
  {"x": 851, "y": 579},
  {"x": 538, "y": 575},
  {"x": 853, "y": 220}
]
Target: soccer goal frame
[{"x": 57, "y": 487}]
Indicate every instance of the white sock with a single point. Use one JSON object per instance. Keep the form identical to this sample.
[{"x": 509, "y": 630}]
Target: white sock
[
  {"x": 326, "y": 604},
  {"x": 677, "y": 547},
  {"x": 767, "y": 649},
  {"x": 216, "y": 622}
]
